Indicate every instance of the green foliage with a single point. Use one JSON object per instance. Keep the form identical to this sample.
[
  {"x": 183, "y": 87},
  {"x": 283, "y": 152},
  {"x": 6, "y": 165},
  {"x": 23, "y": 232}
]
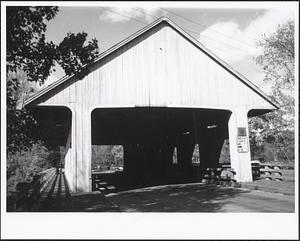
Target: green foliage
[
  {"x": 30, "y": 53},
  {"x": 20, "y": 130},
  {"x": 28, "y": 50},
  {"x": 73, "y": 54},
  {"x": 196, "y": 154},
  {"x": 30, "y": 59},
  {"x": 22, "y": 166},
  {"x": 225, "y": 152},
  {"x": 278, "y": 57},
  {"x": 275, "y": 130},
  {"x": 26, "y": 46},
  {"x": 118, "y": 155},
  {"x": 106, "y": 157}
]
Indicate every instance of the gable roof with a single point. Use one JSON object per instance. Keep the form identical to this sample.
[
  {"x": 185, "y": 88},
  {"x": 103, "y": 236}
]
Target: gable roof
[{"x": 142, "y": 31}]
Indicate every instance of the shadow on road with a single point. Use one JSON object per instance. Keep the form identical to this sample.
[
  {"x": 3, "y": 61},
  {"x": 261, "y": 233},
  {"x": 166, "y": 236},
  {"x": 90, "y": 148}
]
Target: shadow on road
[
  {"x": 185, "y": 197},
  {"x": 92, "y": 202},
  {"x": 176, "y": 198}
]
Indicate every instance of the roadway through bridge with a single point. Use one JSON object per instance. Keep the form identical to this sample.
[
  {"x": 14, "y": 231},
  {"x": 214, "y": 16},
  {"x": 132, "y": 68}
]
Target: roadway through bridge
[
  {"x": 56, "y": 197},
  {"x": 189, "y": 197}
]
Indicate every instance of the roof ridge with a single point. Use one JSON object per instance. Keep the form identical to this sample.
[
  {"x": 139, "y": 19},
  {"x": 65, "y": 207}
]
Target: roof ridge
[{"x": 143, "y": 30}]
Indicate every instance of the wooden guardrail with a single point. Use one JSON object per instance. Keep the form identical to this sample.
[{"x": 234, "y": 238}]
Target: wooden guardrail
[
  {"x": 223, "y": 175},
  {"x": 268, "y": 171},
  {"x": 29, "y": 192},
  {"x": 45, "y": 177}
]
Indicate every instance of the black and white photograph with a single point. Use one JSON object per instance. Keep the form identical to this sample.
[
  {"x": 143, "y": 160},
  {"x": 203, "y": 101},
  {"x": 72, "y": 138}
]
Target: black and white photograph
[{"x": 149, "y": 120}]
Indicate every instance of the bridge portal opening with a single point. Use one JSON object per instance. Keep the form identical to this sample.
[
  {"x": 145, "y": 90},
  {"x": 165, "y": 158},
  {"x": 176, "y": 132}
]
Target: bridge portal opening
[
  {"x": 161, "y": 145},
  {"x": 54, "y": 124},
  {"x": 107, "y": 158}
]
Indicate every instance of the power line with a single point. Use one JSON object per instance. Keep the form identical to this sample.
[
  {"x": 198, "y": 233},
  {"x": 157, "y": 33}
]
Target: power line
[
  {"x": 232, "y": 47},
  {"x": 236, "y": 54},
  {"x": 220, "y": 42},
  {"x": 189, "y": 30},
  {"x": 137, "y": 20},
  {"x": 205, "y": 26},
  {"x": 197, "y": 33}
]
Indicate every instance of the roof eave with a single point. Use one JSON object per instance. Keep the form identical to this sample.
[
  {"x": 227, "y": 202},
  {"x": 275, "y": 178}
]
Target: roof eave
[
  {"x": 143, "y": 30},
  {"x": 101, "y": 56}
]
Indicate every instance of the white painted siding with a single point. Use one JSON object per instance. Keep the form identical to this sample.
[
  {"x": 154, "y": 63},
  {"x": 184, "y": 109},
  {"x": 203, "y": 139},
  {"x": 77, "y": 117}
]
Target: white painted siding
[{"x": 159, "y": 68}]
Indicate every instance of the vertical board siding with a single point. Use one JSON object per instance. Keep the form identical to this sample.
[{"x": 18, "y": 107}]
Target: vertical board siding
[{"x": 160, "y": 68}]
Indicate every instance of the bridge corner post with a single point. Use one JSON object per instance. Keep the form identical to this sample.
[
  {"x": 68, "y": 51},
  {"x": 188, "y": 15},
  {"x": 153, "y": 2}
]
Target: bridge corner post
[
  {"x": 69, "y": 161},
  {"x": 79, "y": 151},
  {"x": 240, "y": 156},
  {"x": 83, "y": 150}
]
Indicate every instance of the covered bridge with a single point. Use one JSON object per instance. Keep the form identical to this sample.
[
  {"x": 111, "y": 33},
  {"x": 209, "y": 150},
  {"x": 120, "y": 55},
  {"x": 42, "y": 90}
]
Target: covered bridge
[{"x": 154, "y": 91}]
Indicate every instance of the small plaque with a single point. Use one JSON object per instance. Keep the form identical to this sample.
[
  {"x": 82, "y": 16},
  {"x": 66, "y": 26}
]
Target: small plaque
[{"x": 242, "y": 144}]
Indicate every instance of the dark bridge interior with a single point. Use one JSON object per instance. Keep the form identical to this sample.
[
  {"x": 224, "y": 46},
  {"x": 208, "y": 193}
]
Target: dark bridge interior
[
  {"x": 149, "y": 136},
  {"x": 53, "y": 124}
]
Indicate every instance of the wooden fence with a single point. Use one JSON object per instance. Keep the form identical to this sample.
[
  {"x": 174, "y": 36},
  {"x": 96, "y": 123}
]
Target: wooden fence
[
  {"x": 223, "y": 175},
  {"x": 29, "y": 192},
  {"x": 268, "y": 171}
]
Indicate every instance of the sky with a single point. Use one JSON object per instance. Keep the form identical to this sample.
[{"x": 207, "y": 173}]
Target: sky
[{"x": 230, "y": 33}]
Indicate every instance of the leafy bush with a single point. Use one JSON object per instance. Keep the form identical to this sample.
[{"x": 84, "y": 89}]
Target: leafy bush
[
  {"x": 23, "y": 165},
  {"x": 105, "y": 157}
]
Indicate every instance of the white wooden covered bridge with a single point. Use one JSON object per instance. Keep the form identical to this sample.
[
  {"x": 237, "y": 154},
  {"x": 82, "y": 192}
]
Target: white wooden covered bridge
[{"x": 154, "y": 91}]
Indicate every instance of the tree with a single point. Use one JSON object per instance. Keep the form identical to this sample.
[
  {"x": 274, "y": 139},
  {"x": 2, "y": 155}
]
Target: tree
[
  {"x": 31, "y": 59},
  {"x": 30, "y": 53},
  {"x": 21, "y": 126},
  {"x": 24, "y": 165},
  {"x": 277, "y": 127},
  {"x": 117, "y": 154}
]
